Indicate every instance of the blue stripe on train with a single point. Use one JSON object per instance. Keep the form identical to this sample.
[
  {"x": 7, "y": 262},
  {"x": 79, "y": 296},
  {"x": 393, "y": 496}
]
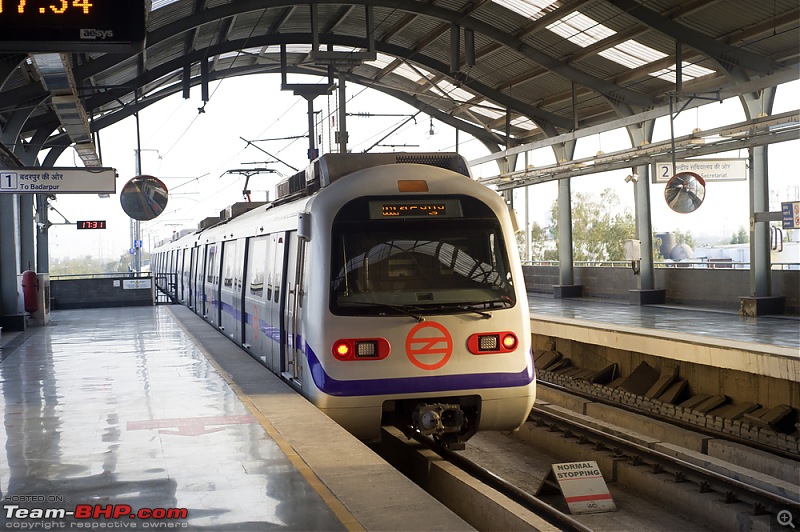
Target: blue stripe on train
[{"x": 401, "y": 385}]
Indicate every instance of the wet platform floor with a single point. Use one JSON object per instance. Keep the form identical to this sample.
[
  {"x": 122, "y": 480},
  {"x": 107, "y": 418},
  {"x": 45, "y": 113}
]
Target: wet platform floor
[{"x": 117, "y": 408}]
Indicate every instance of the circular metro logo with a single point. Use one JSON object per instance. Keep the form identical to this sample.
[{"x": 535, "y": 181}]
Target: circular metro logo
[{"x": 429, "y": 345}]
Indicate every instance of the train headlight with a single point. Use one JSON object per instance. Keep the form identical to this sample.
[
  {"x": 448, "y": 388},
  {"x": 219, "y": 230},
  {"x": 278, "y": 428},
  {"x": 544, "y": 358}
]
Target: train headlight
[
  {"x": 489, "y": 342},
  {"x": 509, "y": 341},
  {"x": 360, "y": 349},
  {"x": 492, "y": 342},
  {"x": 342, "y": 349}
]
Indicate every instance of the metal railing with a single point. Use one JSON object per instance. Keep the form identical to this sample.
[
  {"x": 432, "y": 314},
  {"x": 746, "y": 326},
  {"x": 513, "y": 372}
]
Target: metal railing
[
  {"x": 105, "y": 275},
  {"x": 166, "y": 288},
  {"x": 694, "y": 264}
]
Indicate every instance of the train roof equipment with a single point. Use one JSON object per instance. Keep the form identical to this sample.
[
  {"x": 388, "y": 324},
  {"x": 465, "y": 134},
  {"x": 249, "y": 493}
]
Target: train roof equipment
[{"x": 332, "y": 166}]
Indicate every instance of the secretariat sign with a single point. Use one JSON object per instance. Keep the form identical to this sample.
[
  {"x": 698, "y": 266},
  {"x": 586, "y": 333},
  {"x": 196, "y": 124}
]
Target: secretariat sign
[
  {"x": 41, "y": 180},
  {"x": 708, "y": 169}
]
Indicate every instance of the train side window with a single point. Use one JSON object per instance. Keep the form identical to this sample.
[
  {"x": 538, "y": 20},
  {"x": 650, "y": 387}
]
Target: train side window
[
  {"x": 269, "y": 259},
  {"x": 255, "y": 270},
  {"x": 229, "y": 257},
  {"x": 238, "y": 266},
  {"x": 212, "y": 264}
]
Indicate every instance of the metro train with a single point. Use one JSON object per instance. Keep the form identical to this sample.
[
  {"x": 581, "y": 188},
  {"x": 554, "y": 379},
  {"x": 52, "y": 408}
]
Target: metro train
[{"x": 386, "y": 288}]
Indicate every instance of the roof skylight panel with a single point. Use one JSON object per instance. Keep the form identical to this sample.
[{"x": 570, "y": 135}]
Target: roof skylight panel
[
  {"x": 524, "y": 122},
  {"x": 488, "y": 111},
  {"x": 453, "y": 92},
  {"x": 158, "y": 4},
  {"x": 690, "y": 72},
  {"x": 579, "y": 29},
  {"x": 533, "y": 9},
  {"x": 381, "y": 61},
  {"x": 632, "y": 54},
  {"x": 415, "y": 74}
]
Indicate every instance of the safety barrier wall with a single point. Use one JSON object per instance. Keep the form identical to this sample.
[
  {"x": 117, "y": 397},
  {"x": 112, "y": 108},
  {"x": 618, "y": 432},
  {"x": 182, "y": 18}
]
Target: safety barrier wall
[
  {"x": 101, "y": 291},
  {"x": 707, "y": 288}
]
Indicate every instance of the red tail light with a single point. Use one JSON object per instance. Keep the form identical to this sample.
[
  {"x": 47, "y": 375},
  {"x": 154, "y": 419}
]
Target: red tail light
[
  {"x": 492, "y": 342},
  {"x": 360, "y": 349}
]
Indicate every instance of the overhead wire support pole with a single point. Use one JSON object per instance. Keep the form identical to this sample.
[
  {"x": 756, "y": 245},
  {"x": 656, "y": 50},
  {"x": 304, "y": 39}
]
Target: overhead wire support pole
[
  {"x": 404, "y": 122},
  {"x": 251, "y": 143}
]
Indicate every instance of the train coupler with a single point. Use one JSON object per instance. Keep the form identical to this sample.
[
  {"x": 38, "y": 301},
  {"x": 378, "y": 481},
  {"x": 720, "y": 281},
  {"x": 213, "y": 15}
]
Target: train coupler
[{"x": 438, "y": 420}]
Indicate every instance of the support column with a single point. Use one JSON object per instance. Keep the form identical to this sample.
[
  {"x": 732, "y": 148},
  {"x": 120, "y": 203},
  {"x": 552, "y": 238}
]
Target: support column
[
  {"x": 342, "y": 115},
  {"x": 11, "y": 316},
  {"x": 761, "y": 299},
  {"x": 646, "y": 292},
  {"x": 566, "y": 272},
  {"x": 27, "y": 259},
  {"x": 311, "y": 141},
  {"x": 42, "y": 240}
]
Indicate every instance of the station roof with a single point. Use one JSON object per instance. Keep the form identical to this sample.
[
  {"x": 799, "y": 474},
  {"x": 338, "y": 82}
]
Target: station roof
[{"x": 505, "y": 71}]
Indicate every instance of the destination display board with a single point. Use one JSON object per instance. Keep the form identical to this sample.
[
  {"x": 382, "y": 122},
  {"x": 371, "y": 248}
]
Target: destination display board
[
  {"x": 445, "y": 208},
  {"x": 41, "y": 180}
]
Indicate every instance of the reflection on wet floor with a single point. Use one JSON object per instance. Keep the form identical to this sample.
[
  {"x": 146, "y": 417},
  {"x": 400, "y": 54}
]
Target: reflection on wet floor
[
  {"x": 770, "y": 330},
  {"x": 118, "y": 407}
]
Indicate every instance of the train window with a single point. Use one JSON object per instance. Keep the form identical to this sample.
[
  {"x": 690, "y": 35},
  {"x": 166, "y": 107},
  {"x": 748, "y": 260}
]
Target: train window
[
  {"x": 255, "y": 268},
  {"x": 212, "y": 265},
  {"x": 229, "y": 266},
  {"x": 386, "y": 267}
]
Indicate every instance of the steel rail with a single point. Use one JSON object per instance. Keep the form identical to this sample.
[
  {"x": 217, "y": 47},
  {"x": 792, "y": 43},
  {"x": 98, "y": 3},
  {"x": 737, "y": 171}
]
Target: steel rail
[
  {"x": 539, "y": 507},
  {"x": 760, "y": 498}
]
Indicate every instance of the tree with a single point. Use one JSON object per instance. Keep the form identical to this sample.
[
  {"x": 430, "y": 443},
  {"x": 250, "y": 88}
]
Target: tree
[
  {"x": 740, "y": 237},
  {"x": 684, "y": 238},
  {"x": 542, "y": 243},
  {"x": 600, "y": 227}
]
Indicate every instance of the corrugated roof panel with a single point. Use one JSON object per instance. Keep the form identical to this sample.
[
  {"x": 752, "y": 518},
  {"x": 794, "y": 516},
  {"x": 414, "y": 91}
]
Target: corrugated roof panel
[{"x": 580, "y": 29}]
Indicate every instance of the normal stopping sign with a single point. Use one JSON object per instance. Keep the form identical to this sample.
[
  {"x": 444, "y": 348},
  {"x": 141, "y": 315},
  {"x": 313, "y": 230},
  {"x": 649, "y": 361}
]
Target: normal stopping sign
[{"x": 582, "y": 485}]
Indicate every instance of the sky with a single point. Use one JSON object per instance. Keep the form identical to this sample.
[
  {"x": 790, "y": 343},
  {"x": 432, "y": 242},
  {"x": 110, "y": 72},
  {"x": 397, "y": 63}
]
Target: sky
[{"x": 191, "y": 152}]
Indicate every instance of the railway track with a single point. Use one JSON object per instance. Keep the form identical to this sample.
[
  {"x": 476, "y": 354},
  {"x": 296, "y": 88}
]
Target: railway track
[
  {"x": 706, "y": 481},
  {"x": 661, "y": 489},
  {"x": 672, "y": 420}
]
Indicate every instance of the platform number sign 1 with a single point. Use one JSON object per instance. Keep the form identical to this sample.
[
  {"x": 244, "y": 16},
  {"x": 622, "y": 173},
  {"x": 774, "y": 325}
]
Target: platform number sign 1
[{"x": 8, "y": 180}]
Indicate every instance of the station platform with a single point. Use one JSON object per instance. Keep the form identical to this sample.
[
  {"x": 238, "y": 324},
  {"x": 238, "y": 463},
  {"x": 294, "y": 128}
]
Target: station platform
[
  {"x": 747, "y": 359},
  {"x": 147, "y": 417},
  {"x": 766, "y": 345}
]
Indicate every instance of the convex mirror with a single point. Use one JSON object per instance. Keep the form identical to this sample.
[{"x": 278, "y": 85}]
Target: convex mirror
[
  {"x": 685, "y": 192},
  {"x": 144, "y": 197}
]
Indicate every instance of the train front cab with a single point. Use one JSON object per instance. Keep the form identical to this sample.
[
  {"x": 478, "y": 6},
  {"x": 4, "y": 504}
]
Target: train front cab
[{"x": 389, "y": 270}]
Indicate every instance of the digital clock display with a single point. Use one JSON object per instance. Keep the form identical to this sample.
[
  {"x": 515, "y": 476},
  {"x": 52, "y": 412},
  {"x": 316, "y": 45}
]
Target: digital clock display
[
  {"x": 91, "y": 224},
  {"x": 71, "y": 25},
  {"x": 434, "y": 208}
]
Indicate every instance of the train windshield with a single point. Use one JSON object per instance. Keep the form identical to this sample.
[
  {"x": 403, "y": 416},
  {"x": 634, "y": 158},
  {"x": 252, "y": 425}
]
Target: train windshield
[{"x": 419, "y": 265}]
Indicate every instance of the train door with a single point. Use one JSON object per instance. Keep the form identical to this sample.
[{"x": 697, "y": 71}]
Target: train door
[
  {"x": 211, "y": 285},
  {"x": 190, "y": 280},
  {"x": 275, "y": 268},
  {"x": 182, "y": 274},
  {"x": 227, "y": 321},
  {"x": 293, "y": 359},
  {"x": 255, "y": 318},
  {"x": 200, "y": 272}
]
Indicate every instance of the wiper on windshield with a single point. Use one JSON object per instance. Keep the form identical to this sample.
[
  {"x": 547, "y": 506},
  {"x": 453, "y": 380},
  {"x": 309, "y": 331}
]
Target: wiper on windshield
[{"x": 401, "y": 309}]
